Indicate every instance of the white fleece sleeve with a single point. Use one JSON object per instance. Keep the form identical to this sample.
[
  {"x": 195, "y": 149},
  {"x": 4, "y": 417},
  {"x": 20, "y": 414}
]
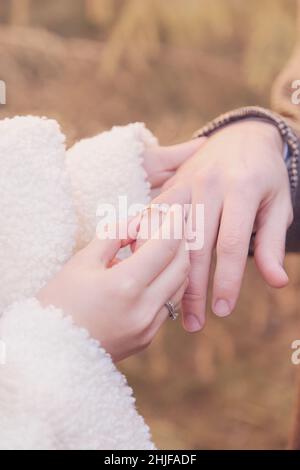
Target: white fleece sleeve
[
  {"x": 105, "y": 167},
  {"x": 37, "y": 216},
  {"x": 59, "y": 390}
]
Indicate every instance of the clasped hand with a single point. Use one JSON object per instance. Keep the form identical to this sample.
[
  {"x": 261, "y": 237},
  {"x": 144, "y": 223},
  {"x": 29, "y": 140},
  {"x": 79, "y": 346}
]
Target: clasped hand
[{"x": 240, "y": 177}]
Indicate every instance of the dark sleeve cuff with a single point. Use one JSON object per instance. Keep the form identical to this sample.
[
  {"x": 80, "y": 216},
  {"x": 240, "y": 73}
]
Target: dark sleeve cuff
[{"x": 293, "y": 235}]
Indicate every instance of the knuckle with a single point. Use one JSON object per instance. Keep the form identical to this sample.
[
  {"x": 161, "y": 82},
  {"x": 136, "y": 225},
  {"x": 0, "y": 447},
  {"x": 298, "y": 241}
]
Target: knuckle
[
  {"x": 246, "y": 177},
  {"x": 197, "y": 256},
  {"x": 206, "y": 177},
  {"x": 229, "y": 244},
  {"x": 130, "y": 287},
  {"x": 171, "y": 249},
  {"x": 195, "y": 290},
  {"x": 241, "y": 183},
  {"x": 193, "y": 298}
]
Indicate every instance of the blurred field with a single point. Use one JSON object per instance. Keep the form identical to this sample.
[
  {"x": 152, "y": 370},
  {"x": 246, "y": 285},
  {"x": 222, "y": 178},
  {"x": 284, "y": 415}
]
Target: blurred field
[{"x": 173, "y": 64}]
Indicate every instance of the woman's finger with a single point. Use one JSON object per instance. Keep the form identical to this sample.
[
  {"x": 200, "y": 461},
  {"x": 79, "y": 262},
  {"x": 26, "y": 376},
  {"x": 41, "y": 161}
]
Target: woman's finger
[
  {"x": 171, "y": 279},
  {"x": 163, "y": 314},
  {"x": 156, "y": 254},
  {"x": 104, "y": 250},
  {"x": 152, "y": 219}
]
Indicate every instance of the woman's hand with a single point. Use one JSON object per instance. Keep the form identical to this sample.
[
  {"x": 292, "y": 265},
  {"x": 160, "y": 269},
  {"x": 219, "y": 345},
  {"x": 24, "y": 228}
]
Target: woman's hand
[
  {"x": 123, "y": 306},
  {"x": 161, "y": 163}
]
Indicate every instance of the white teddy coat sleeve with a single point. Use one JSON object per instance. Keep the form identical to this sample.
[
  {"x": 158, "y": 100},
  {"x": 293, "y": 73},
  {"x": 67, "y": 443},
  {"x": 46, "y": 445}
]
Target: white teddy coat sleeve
[
  {"x": 58, "y": 388},
  {"x": 105, "y": 167}
]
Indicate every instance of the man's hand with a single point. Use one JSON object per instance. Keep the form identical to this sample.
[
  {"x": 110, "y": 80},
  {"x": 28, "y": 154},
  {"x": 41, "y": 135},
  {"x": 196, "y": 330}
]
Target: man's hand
[{"x": 240, "y": 177}]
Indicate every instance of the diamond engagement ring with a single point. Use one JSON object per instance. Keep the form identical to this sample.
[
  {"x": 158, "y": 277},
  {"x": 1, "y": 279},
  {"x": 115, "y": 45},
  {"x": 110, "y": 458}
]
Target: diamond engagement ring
[{"x": 173, "y": 314}]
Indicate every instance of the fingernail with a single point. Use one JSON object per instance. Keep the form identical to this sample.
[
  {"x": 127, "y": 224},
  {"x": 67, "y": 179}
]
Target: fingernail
[
  {"x": 222, "y": 308},
  {"x": 192, "y": 323}
]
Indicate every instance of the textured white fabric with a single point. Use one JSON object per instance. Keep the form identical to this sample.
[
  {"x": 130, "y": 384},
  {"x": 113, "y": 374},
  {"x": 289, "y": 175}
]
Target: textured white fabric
[
  {"x": 60, "y": 383},
  {"x": 105, "y": 167},
  {"x": 37, "y": 221},
  {"x": 58, "y": 388}
]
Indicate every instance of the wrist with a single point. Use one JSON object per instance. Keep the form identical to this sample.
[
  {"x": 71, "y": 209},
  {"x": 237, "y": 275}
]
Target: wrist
[
  {"x": 286, "y": 132},
  {"x": 256, "y": 128}
]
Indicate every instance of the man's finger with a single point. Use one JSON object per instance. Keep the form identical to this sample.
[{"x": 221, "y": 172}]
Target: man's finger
[
  {"x": 172, "y": 278},
  {"x": 269, "y": 250},
  {"x": 194, "y": 301},
  {"x": 232, "y": 251}
]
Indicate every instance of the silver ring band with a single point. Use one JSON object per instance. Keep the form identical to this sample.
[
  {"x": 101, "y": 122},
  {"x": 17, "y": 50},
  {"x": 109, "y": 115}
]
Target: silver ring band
[{"x": 173, "y": 314}]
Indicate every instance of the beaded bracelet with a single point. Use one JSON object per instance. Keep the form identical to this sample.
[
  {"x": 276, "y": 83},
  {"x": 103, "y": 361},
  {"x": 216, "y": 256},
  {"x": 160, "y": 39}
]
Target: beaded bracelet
[{"x": 256, "y": 112}]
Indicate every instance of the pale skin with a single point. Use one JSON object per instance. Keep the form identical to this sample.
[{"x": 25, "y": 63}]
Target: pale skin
[
  {"x": 122, "y": 305},
  {"x": 240, "y": 176}
]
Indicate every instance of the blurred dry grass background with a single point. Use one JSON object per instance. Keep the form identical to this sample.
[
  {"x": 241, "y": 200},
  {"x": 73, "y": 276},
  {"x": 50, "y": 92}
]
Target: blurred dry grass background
[{"x": 173, "y": 64}]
